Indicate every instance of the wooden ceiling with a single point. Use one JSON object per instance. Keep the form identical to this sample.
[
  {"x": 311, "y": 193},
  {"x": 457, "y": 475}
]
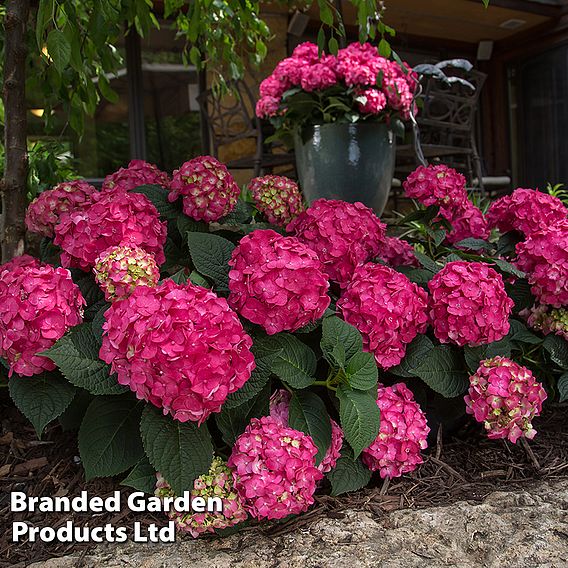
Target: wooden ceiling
[{"x": 461, "y": 20}]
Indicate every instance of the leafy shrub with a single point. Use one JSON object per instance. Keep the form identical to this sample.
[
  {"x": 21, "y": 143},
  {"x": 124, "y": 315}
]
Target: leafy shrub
[{"x": 322, "y": 354}]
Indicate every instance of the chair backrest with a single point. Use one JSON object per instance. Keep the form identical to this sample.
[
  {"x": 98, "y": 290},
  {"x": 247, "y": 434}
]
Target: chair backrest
[
  {"x": 448, "y": 114},
  {"x": 230, "y": 116}
]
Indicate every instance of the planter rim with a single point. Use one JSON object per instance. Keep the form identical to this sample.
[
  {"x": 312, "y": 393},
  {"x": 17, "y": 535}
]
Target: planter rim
[{"x": 343, "y": 124}]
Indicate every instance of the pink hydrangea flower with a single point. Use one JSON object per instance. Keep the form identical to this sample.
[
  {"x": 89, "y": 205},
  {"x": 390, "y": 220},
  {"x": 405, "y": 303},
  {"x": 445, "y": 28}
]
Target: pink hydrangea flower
[
  {"x": 306, "y": 51},
  {"x": 469, "y": 305},
  {"x": 112, "y": 218},
  {"x": 544, "y": 257},
  {"x": 277, "y": 198},
  {"x": 217, "y": 482},
  {"x": 548, "y": 320},
  {"x": 399, "y": 95},
  {"x": 379, "y": 84},
  {"x": 277, "y": 282},
  {"x": 267, "y": 107},
  {"x": 319, "y": 76},
  {"x": 360, "y": 65},
  {"x": 279, "y": 410},
  {"x": 274, "y": 469},
  {"x": 40, "y": 304},
  {"x": 527, "y": 211},
  {"x": 208, "y": 189},
  {"x": 136, "y": 174},
  {"x": 120, "y": 269},
  {"x": 387, "y": 309},
  {"x": 374, "y": 101},
  {"x": 272, "y": 87},
  {"x": 45, "y": 211},
  {"x": 402, "y": 434},
  {"x": 436, "y": 185},
  {"x": 343, "y": 235},
  {"x": 505, "y": 397},
  {"x": 179, "y": 347},
  {"x": 25, "y": 260},
  {"x": 467, "y": 222},
  {"x": 397, "y": 252}
]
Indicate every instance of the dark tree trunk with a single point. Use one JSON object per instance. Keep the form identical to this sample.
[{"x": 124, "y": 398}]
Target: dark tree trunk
[{"x": 13, "y": 186}]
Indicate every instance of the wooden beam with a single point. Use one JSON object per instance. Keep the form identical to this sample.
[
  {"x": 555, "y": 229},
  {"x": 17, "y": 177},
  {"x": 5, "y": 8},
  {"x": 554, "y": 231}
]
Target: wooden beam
[
  {"x": 538, "y": 39},
  {"x": 527, "y": 6}
]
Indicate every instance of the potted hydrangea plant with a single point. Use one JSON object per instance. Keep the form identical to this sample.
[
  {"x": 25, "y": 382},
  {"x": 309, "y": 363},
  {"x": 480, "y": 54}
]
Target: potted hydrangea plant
[{"x": 340, "y": 112}]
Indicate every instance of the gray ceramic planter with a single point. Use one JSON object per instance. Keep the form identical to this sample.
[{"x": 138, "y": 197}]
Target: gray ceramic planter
[{"x": 352, "y": 162}]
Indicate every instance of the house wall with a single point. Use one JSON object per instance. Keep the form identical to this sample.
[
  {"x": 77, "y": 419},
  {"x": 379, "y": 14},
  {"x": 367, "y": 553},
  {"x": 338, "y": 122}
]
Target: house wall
[{"x": 500, "y": 137}]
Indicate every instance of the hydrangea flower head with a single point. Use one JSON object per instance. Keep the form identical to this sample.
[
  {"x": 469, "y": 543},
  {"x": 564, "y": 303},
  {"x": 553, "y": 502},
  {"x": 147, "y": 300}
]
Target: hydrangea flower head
[
  {"x": 274, "y": 469},
  {"x": 136, "y": 174},
  {"x": 527, "y": 211},
  {"x": 179, "y": 347},
  {"x": 277, "y": 282},
  {"x": 208, "y": 190},
  {"x": 402, "y": 434},
  {"x": 279, "y": 410},
  {"x": 267, "y": 106},
  {"x": 397, "y": 252},
  {"x": 45, "y": 211},
  {"x": 467, "y": 222},
  {"x": 118, "y": 270},
  {"x": 111, "y": 219},
  {"x": 277, "y": 198},
  {"x": 217, "y": 482},
  {"x": 376, "y": 83},
  {"x": 436, "y": 185},
  {"x": 505, "y": 397},
  {"x": 548, "y": 320},
  {"x": 387, "y": 309},
  {"x": 343, "y": 235},
  {"x": 40, "y": 304},
  {"x": 469, "y": 305},
  {"x": 319, "y": 76},
  {"x": 371, "y": 101},
  {"x": 544, "y": 257}
]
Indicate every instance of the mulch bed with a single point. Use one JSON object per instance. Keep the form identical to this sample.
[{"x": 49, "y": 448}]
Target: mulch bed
[{"x": 465, "y": 467}]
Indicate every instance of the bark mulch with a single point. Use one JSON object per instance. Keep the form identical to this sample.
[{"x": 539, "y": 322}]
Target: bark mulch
[{"x": 466, "y": 466}]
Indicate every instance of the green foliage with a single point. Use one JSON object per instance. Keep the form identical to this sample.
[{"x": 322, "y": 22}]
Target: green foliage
[
  {"x": 361, "y": 371},
  {"x": 142, "y": 477},
  {"x": 258, "y": 380},
  {"x": 308, "y": 414},
  {"x": 181, "y": 452},
  {"x": 416, "y": 350},
  {"x": 233, "y": 420},
  {"x": 109, "y": 440},
  {"x": 349, "y": 473},
  {"x": 360, "y": 417},
  {"x": 296, "y": 363},
  {"x": 558, "y": 190},
  {"x": 76, "y": 41},
  {"x": 42, "y": 398},
  {"x": 77, "y": 356},
  {"x": 210, "y": 255},
  {"x": 73, "y": 415},
  {"x": 563, "y": 387},
  {"x": 340, "y": 341},
  {"x": 443, "y": 371},
  {"x": 159, "y": 197},
  {"x": 557, "y": 349}
]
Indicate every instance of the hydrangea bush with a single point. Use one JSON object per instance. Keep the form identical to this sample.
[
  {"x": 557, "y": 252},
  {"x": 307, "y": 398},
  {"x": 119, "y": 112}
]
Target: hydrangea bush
[
  {"x": 264, "y": 363},
  {"x": 355, "y": 85}
]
